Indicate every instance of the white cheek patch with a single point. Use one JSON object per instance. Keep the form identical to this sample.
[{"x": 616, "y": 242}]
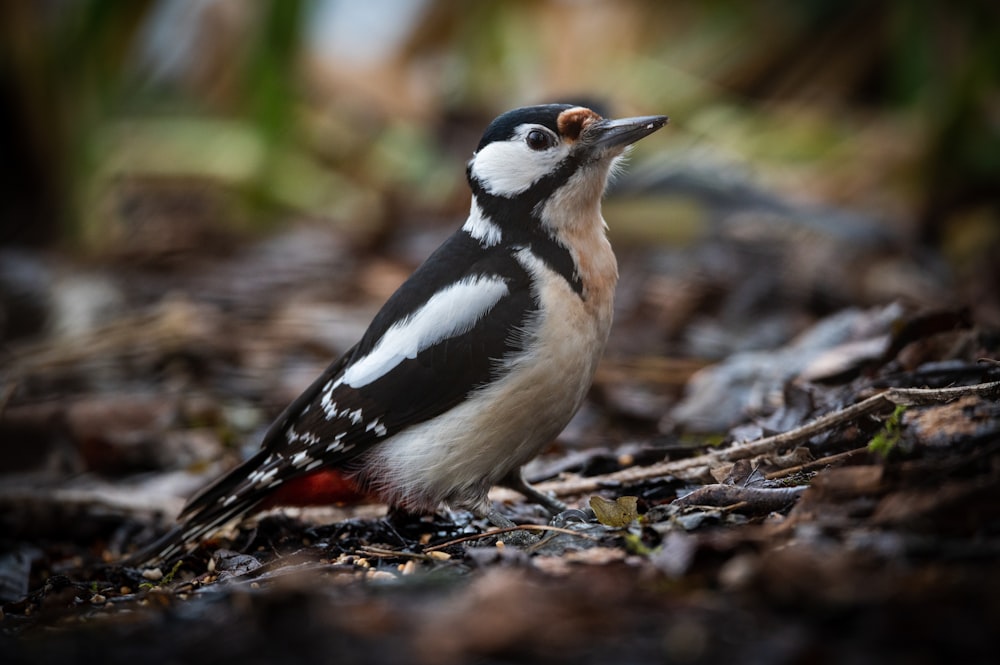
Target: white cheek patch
[
  {"x": 508, "y": 168},
  {"x": 449, "y": 313},
  {"x": 481, "y": 227}
]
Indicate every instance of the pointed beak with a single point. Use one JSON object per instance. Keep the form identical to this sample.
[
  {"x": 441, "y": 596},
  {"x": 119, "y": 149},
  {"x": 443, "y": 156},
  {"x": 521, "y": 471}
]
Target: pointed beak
[{"x": 605, "y": 134}]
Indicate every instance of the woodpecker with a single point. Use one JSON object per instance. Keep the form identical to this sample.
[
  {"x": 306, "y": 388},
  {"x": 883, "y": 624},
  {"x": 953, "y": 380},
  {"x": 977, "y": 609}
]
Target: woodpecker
[{"x": 476, "y": 362}]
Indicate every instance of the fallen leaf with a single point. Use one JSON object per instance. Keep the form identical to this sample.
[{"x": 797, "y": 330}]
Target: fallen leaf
[{"x": 618, "y": 513}]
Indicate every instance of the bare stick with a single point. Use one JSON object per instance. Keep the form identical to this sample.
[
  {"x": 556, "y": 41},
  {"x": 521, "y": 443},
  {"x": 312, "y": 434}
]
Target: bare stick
[
  {"x": 816, "y": 463},
  {"x": 755, "y": 499},
  {"x": 507, "y": 529},
  {"x": 694, "y": 467}
]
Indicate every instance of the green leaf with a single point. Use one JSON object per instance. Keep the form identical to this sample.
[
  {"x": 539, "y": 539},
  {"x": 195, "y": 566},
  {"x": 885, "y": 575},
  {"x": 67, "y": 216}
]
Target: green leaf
[{"x": 885, "y": 441}]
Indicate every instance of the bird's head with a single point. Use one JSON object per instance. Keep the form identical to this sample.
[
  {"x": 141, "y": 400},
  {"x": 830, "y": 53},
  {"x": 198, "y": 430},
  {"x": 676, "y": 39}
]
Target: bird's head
[{"x": 550, "y": 163}]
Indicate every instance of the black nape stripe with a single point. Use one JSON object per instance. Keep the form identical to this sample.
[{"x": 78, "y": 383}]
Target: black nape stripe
[
  {"x": 553, "y": 253},
  {"x": 520, "y": 223}
]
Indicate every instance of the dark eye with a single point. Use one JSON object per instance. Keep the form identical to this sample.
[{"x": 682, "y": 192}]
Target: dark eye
[{"x": 538, "y": 140}]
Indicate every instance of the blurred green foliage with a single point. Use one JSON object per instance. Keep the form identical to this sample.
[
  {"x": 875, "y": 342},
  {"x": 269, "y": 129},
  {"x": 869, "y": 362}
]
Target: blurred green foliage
[{"x": 893, "y": 105}]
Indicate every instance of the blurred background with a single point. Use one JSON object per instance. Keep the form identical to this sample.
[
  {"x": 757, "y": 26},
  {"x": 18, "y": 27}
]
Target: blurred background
[
  {"x": 219, "y": 193},
  {"x": 204, "y": 202},
  {"x": 346, "y": 111}
]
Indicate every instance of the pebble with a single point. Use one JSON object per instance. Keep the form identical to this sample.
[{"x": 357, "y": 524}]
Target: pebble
[
  {"x": 153, "y": 574},
  {"x": 439, "y": 555},
  {"x": 380, "y": 575}
]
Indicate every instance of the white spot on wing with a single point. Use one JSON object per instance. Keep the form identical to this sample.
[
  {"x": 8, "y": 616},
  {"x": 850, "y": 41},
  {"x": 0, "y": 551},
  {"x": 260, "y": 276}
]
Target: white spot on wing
[
  {"x": 449, "y": 313},
  {"x": 329, "y": 406},
  {"x": 377, "y": 427},
  {"x": 336, "y": 442},
  {"x": 300, "y": 458},
  {"x": 260, "y": 479},
  {"x": 481, "y": 227}
]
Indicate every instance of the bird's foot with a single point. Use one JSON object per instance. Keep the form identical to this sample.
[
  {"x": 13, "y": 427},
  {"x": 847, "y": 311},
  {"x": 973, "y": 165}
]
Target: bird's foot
[{"x": 519, "y": 538}]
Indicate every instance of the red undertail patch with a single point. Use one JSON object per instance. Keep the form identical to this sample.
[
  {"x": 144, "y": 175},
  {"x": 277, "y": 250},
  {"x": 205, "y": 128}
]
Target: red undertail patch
[{"x": 323, "y": 487}]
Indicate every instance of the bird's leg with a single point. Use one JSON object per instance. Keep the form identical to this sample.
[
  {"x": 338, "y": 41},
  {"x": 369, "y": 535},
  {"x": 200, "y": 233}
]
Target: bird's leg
[
  {"x": 498, "y": 519},
  {"x": 516, "y": 538},
  {"x": 484, "y": 508},
  {"x": 515, "y": 481}
]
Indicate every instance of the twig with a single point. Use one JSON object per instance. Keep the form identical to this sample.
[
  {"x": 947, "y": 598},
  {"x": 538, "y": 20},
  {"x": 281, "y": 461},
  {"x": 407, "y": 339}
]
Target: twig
[
  {"x": 757, "y": 499},
  {"x": 921, "y": 396},
  {"x": 805, "y": 432},
  {"x": 693, "y": 467},
  {"x": 817, "y": 463},
  {"x": 507, "y": 529},
  {"x": 383, "y": 552}
]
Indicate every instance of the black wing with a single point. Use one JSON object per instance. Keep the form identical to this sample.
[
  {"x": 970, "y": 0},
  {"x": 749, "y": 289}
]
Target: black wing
[
  {"x": 306, "y": 436},
  {"x": 436, "y": 379}
]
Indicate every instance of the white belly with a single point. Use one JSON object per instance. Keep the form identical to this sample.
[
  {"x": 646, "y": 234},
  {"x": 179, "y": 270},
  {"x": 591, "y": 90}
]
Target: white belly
[{"x": 459, "y": 455}]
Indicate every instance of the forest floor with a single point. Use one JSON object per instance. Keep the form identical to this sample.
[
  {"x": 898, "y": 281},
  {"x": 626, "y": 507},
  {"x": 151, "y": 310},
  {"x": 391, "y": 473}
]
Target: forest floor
[{"x": 774, "y": 465}]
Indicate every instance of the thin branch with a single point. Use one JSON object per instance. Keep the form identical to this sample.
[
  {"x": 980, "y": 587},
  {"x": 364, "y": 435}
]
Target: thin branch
[
  {"x": 508, "y": 529},
  {"x": 817, "y": 463},
  {"x": 923, "y": 396},
  {"x": 798, "y": 435},
  {"x": 754, "y": 499},
  {"x": 693, "y": 467}
]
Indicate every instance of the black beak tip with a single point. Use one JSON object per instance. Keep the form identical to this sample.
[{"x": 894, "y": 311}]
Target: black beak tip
[
  {"x": 650, "y": 124},
  {"x": 626, "y": 131}
]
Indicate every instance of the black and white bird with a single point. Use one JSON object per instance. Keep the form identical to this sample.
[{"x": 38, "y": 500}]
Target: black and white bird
[{"x": 476, "y": 362}]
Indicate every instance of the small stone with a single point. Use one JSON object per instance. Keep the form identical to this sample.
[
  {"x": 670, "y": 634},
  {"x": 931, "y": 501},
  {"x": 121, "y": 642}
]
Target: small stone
[
  {"x": 439, "y": 555},
  {"x": 153, "y": 574}
]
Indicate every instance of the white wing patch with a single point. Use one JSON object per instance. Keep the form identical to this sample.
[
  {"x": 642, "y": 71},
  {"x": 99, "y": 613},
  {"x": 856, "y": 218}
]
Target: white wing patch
[
  {"x": 481, "y": 227},
  {"x": 508, "y": 168},
  {"x": 450, "y": 312}
]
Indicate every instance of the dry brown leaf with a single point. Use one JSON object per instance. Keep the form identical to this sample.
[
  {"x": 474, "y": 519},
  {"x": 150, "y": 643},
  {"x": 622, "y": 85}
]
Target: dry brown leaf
[{"x": 618, "y": 513}]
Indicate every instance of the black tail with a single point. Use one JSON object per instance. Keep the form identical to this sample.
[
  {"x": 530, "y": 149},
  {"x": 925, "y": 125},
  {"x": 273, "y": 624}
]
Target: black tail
[{"x": 227, "y": 498}]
